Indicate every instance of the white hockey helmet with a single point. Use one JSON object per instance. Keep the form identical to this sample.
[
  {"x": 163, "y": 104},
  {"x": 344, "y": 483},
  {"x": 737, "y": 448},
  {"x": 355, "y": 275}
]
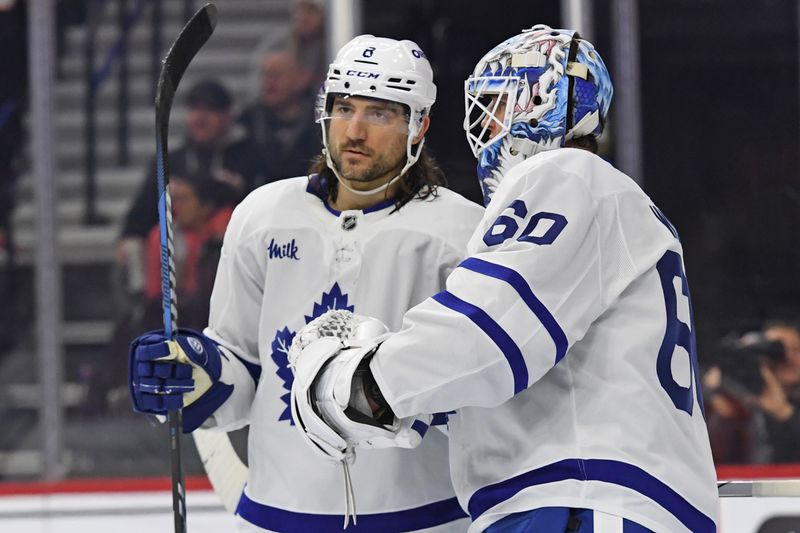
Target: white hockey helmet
[{"x": 386, "y": 69}]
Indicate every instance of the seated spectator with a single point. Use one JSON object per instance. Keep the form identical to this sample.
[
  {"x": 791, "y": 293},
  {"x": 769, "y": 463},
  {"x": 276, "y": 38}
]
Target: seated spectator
[
  {"x": 753, "y": 397},
  {"x": 305, "y": 38},
  {"x": 200, "y": 217},
  {"x": 209, "y": 152},
  {"x": 282, "y": 123}
]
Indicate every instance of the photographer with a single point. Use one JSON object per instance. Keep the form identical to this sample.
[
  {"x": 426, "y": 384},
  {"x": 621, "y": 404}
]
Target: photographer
[
  {"x": 751, "y": 394},
  {"x": 781, "y": 397}
]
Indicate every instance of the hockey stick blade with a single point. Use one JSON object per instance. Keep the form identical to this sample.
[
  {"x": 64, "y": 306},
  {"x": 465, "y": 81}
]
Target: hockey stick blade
[
  {"x": 191, "y": 38},
  {"x": 226, "y": 472}
]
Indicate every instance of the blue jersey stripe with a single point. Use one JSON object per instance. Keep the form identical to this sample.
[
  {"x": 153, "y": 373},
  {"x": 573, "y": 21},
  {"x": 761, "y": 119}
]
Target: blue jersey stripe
[
  {"x": 252, "y": 368},
  {"x": 513, "y": 278},
  {"x": 496, "y": 333},
  {"x": 275, "y": 519},
  {"x": 556, "y": 519},
  {"x": 420, "y": 427},
  {"x": 441, "y": 419},
  {"x": 604, "y": 470},
  {"x": 664, "y": 220}
]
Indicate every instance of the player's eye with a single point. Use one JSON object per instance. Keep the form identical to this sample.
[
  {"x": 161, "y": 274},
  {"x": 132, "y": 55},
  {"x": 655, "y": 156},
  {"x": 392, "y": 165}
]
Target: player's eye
[
  {"x": 384, "y": 115},
  {"x": 486, "y": 100},
  {"x": 379, "y": 116},
  {"x": 342, "y": 111}
]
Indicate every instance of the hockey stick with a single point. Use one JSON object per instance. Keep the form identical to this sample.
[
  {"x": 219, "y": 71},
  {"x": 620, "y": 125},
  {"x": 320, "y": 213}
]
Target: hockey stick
[
  {"x": 226, "y": 472},
  {"x": 191, "y": 38}
]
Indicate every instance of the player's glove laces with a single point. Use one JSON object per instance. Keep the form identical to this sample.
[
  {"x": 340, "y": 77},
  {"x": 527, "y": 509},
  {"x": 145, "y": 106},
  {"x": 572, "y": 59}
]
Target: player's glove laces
[{"x": 166, "y": 375}]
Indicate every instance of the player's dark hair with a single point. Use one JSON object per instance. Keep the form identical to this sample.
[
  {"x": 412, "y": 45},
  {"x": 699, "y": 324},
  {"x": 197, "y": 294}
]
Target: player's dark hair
[
  {"x": 586, "y": 142},
  {"x": 209, "y": 190},
  {"x": 421, "y": 181}
]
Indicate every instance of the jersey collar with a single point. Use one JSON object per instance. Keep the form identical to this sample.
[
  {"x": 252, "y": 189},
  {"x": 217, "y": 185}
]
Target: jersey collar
[{"x": 317, "y": 187}]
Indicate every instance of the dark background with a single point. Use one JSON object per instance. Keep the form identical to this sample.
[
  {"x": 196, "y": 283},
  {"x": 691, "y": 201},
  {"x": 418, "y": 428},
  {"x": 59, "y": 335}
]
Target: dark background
[{"x": 719, "y": 122}]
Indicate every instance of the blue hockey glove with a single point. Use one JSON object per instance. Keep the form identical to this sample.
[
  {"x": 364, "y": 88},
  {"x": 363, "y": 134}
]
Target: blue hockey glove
[{"x": 167, "y": 375}]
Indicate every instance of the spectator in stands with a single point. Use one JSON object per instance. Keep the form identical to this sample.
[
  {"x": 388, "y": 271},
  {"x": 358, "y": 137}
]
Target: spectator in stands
[
  {"x": 729, "y": 422},
  {"x": 209, "y": 152},
  {"x": 281, "y": 123},
  {"x": 788, "y": 372},
  {"x": 780, "y": 400},
  {"x": 305, "y": 38},
  {"x": 200, "y": 216},
  {"x": 754, "y": 415},
  {"x": 308, "y": 37}
]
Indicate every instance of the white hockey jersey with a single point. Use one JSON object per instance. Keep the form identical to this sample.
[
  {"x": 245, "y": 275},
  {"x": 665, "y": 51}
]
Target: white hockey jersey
[
  {"x": 287, "y": 258},
  {"x": 565, "y": 343}
]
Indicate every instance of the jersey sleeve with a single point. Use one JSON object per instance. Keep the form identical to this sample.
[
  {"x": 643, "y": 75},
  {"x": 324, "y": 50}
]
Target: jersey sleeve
[
  {"x": 464, "y": 218},
  {"x": 234, "y": 316},
  {"x": 534, "y": 281}
]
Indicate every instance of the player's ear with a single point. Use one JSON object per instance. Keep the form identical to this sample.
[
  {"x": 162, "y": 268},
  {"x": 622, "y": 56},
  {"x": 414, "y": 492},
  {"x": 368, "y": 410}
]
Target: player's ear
[{"x": 423, "y": 129}]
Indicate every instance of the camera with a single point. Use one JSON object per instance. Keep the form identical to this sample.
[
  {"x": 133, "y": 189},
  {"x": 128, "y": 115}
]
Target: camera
[{"x": 740, "y": 358}]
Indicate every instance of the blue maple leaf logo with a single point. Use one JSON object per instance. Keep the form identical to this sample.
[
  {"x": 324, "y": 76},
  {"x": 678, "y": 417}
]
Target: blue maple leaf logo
[
  {"x": 280, "y": 354},
  {"x": 330, "y": 300},
  {"x": 334, "y": 299}
]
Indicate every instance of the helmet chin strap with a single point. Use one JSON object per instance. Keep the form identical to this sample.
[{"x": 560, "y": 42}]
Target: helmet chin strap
[
  {"x": 380, "y": 188},
  {"x": 410, "y": 160}
]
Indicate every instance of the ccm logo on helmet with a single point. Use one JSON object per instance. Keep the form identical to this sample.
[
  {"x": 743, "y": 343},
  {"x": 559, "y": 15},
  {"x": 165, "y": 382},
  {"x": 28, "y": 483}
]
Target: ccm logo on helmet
[{"x": 362, "y": 74}]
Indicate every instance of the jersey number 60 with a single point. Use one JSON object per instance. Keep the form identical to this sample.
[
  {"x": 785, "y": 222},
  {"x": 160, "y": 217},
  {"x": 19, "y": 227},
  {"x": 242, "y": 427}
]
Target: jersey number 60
[
  {"x": 678, "y": 333},
  {"x": 505, "y": 227}
]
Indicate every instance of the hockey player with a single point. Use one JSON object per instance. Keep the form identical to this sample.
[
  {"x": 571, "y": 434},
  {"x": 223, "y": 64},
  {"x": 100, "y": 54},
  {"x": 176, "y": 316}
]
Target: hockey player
[
  {"x": 564, "y": 342},
  {"x": 372, "y": 218}
]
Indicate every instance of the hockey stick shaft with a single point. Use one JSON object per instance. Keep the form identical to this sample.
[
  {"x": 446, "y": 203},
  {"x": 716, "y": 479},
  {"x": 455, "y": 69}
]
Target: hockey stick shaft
[{"x": 191, "y": 38}]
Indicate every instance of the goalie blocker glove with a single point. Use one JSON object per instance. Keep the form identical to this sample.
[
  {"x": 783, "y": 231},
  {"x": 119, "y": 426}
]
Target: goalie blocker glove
[
  {"x": 188, "y": 372},
  {"x": 330, "y": 358}
]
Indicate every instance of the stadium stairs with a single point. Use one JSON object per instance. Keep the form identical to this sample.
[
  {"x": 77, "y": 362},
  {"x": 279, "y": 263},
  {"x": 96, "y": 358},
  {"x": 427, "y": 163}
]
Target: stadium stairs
[{"x": 86, "y": 251}]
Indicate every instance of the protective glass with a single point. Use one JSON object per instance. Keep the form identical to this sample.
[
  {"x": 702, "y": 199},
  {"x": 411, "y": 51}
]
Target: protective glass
[{"x": 483, "y": 98}]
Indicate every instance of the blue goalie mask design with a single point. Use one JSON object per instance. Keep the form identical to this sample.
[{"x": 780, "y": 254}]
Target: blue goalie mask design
[{"x": 531, "y": 93}]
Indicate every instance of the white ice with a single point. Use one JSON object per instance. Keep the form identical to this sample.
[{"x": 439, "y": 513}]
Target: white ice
[{"x": 146, "y": 512}]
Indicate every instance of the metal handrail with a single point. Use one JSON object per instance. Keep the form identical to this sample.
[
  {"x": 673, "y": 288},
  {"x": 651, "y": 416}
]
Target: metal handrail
[
  {"x": 95, "y": 78},
  {"x": 90, "y": 134},
  {"x": 124, "y": 22}
]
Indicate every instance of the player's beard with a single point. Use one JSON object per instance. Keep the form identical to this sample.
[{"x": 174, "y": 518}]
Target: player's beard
[{"x": 381, "y": 165}]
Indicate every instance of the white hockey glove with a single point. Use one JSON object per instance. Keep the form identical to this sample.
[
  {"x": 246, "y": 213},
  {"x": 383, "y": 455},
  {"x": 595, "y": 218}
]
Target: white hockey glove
[{"x": 330, "y": 358}]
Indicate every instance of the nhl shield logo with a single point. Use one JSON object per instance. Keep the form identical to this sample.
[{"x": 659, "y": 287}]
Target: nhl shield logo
[{"x": 349, "y": 222}]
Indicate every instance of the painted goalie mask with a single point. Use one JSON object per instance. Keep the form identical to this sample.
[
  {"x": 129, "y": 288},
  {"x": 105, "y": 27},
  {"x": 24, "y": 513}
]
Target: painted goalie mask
[{"x": 531, "y": 93}]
